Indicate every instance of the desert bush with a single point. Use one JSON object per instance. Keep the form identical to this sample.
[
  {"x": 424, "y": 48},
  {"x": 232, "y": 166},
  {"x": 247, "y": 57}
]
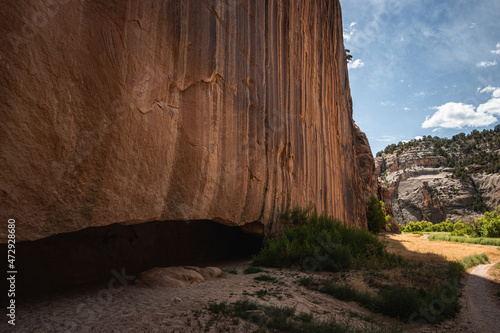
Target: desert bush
[
  {"x": 320, "y": 242},
  {"x": 400, "y": 302}
]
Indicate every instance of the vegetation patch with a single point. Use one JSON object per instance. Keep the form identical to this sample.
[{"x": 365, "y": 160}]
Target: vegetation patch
[
  {"x": 375, "y": 215},
  {"x": 474, "y": 260},
  {"x": 253, "y": 270},
  {"x": 265, "y": 278},
  {"x": 487, "y": 226},
  {"x": 465, "y": 239},
  {"x": 401, "y": 302},
  {"x": 285, "y": 319},
  {"x": 319, "y": 242}
]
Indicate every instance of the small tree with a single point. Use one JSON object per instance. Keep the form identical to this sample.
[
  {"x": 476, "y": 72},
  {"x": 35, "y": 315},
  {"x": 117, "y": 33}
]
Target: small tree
[
  {"x": 375, "y": 215},
  {"x": 490, "y": 224}
]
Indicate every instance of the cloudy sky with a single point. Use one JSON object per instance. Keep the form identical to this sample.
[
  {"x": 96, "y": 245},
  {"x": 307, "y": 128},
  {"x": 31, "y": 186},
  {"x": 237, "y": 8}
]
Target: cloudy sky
[{"x": 423, "y": 67}]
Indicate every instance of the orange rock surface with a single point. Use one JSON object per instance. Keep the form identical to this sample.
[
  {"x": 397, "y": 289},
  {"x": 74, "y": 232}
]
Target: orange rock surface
[{"x": 128, "y": 112}]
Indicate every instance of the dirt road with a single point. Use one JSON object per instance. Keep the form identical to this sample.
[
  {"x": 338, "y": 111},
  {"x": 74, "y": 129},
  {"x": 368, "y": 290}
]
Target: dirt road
[{"x": 480, "y": 306}]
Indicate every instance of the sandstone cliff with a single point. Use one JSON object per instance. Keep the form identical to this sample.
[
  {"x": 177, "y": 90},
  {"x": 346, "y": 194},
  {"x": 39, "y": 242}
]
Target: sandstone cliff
[
  {"x": 128, "y": 112},
  {"x": 437, "y": 179}
]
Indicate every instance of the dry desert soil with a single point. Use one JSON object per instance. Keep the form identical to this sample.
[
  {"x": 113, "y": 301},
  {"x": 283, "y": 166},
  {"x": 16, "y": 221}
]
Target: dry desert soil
[{"x": 137, "y": 308}]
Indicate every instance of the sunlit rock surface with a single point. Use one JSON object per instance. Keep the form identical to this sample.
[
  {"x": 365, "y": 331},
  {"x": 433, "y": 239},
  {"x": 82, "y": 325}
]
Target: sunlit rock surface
[{"x": 135, "y": 111}]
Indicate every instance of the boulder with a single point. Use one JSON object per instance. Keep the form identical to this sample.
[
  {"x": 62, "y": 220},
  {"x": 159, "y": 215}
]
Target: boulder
[{"x": 169, "y": 277}]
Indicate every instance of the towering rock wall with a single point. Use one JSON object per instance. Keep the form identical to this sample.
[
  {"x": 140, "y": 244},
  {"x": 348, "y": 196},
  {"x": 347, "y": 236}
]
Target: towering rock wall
[{"x": 135, "y": 111}]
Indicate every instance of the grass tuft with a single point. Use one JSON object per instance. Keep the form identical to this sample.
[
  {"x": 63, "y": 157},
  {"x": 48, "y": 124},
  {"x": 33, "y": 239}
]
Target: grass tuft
[
  {"x": 253, "y": 270},
  {"x": 473, "y": 260},
  {"x": 265, "y": 278}
]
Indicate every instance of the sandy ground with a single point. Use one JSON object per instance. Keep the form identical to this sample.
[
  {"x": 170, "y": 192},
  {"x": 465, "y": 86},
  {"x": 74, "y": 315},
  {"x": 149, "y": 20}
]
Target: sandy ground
[
  {"x": 132, "y": 308},
  {"x": 415, "y": 247},
  {"x": 137, "y": 309}
]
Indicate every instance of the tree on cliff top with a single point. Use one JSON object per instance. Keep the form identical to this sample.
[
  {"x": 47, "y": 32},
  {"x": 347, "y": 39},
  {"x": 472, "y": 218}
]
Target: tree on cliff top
[{"x": 348, "y": 56}]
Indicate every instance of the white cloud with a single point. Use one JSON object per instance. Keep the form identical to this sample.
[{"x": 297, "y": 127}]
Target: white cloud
[
  {"x": 386, "y": 138},
  {"x": 486, "y": 63},
  {"x": 491, "y": 107},
  {"x": 420, "y": 94},
  {"x": 417, "y": 138},
  {"x": 358, "y": 63},
  {"x": 487, "y": 89},
  {"x": 497, "y": 51},
  {"x": 472, "y": 26},
  {"x": 406, "y": 109},
  {"x": 348, "y": 33},
  {"x": 458, "y": 115}
]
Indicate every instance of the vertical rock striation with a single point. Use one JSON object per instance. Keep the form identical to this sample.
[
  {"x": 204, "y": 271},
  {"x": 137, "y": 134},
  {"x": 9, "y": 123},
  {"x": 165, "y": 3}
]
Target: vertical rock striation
[{"x": 135, "y": 111}]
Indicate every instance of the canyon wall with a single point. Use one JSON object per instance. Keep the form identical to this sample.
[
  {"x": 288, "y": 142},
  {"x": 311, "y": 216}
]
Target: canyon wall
[
  {"x": 415, "y": 187},
  {"x": 135, "y": 111}
]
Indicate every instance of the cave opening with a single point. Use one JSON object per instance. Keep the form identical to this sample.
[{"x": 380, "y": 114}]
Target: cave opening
[{"x": 93, "y": 255}]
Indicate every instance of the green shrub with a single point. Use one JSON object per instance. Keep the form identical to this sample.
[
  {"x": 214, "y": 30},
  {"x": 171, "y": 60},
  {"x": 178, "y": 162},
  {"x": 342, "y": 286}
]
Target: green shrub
[
  {"x": 375, "y": 215},
  {"x": 323, "y": 243},
  {"x": 400, "y": 302},
  {"x": 490, "y": 224}
]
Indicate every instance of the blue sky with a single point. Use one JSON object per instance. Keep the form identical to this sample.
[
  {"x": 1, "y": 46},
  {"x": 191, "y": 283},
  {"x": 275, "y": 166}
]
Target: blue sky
[{"x": 423, "y": 67}]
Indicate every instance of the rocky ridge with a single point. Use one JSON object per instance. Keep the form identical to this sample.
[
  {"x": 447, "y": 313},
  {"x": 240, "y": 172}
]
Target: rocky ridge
[{"x": 436, "y": 179}]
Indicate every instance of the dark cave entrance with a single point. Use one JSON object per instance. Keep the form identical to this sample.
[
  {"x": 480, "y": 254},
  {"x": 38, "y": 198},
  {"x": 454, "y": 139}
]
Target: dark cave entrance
[{"x": 63, "y": 261}]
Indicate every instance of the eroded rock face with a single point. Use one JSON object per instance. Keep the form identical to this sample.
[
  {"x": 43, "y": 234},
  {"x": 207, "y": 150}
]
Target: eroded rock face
[
  {"x": 128, "y": 112},
  {"x": 366, "y": 165},
  {"x": 415, "y": 189}
]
